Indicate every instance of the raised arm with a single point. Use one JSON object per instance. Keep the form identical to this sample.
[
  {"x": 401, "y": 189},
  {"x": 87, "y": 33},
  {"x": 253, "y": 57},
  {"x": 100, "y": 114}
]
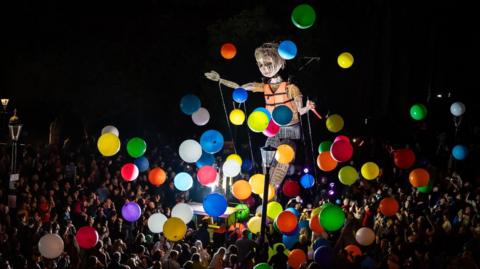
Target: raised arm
[{"x": 214, "y": 76}]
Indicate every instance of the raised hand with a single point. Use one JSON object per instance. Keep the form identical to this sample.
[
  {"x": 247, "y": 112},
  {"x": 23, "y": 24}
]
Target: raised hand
[{"x": 212, "y": 75}]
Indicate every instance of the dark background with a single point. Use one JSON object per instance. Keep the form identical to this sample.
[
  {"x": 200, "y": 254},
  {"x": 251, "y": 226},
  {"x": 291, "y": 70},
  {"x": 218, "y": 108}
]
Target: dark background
[{"x": 94, "y": 63}]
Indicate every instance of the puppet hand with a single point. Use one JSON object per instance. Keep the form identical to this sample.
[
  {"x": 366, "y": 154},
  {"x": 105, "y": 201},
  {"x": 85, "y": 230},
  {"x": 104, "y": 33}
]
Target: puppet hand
[
  {"x": 212, "y": 75},
  {"x": 310, "y": 105}
]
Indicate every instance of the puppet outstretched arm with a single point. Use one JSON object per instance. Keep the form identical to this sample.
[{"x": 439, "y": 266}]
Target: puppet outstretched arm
[{"x": 252, "y": 86}]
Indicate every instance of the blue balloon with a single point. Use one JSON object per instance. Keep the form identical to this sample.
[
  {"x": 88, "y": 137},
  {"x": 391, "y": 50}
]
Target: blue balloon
[
  {"x": 294, "y": 211},
  {"x": 324, "y": 256},
  {"x": 131, "y": 211},
  {"x": 307, "y": 181},
  {"x": 321, "y": 242},
  {"x": 215, "y": 204},
  {"x": 290, "y": 240},
  {"x": 247, "y": 165},
  {"x": 282, "y": 115},
  {"x": 211, "y": 141},
  {"x": 264, "y": 110},
  {"x": 142, "y": 163},
  {"x": 183, "y": 181},
  {"x": 287, "y": 50},
  {"x": 189, "y": 104},
  {"x": 206, "y": 159},
  {"x": 460, "y": 152},
  {"x": 239, "y": 95}
]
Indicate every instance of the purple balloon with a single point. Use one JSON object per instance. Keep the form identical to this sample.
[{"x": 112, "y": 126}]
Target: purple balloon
[
  {"x": 324, "y": 256},
  {"x": 131, "y": 211}
]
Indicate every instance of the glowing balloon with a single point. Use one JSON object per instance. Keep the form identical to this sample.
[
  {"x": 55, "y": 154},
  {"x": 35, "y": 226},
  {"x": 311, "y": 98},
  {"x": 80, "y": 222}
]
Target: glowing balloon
[
  {"x": 419, "y": 177},
  {"x": 365, "y": 236},
  {"x": 242, "y": 212},
  {"x": 418, "y": 112},
  {"x": 254, "y": 224},
  {"x": 110, "y": 129},
  {"x": 404, "y": 158},
  {"x": 271, "y": 193},
  {"x": 324, "y": 146},
  {"x": 228, "y": 51},
  {"x": 190, "y": 151},
  {"x": 174, "y": 229},
  {"x": 201, "y": 116},
  {"x": 370, "y": 170},
  {"x": 240, "y": 95},
  {"x": 427, "y": 188},
  {"x": 189, "y": 104},
  {"x": 287, "y": 49},
  {"x": 136, "y": 147},
  {"x": 129, "y": 172},
  {"x": 284, "y": 154},
  {"x": 315, "y": 226},
  {"x": 262, "y": 265},
  {"x": 183, "y": 181},
  {"x": 282, "y": 115},
  {"x": 215, "y": 204},
  {"x": 457, "y": 109},
  {"x": 235, "y": 157},
  {"x": 347, "y": 175},
  {"x": 131, "y": 211},
  {"x": 157, "y": 176},
  {"x": 206, "y": 175},
  {"x": 460, "y": 152},
  {"x": 142, "y": 163},
  {"x": 326, "y": 162},
  {"x": 155, "y": 222},
  {"x": 341, "y": 151},
  {"x": 389, "y": 206},
  {"x": 257, "y": 181},
  {"x": 108, "y": 144},
  {"x": 272, "y": 129},
  {"x": 332, "y": 217},
  {"x": 303, "y": 16},
  {"x": 50, "y": 246},
  {"x": 87, "y": 237},
  {"x": 334, "y": 123},
  {"x": 345, "y": 60},
  {"x": 296, "y": 258},
  {"x": 237, "y": 117},
  {"x": 211, "y": 141},
  {"x": 231, "y": 168},
  {"x": 205, "y": 159},
  {"x": 257, "y": 121},
  {"x": 290, "y": 240},
  {"x": 286, "y": 222},
  {"x": 290, "y": 188},
  {"x": 274, "y": 209},
  {"x": 241, "y": 189},
  {"x": 307, "y": 181},
  {"x": 183, "y": 211}
]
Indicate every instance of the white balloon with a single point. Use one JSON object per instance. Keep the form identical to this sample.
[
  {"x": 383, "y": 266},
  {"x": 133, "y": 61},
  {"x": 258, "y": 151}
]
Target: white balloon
[
  {"x": 50, "y": 246},
  {"x": 155, "y": 222},
  {"x": 201, "y": 116},
  {"x": 231, "y": 168},
  {"x": 110, "y": 129},
  {"x": 365, "y": 236},
  {"x": 183, "y": 211},
  {"x": 190, "y": 151},
  {"x": 457, "y": 109}
]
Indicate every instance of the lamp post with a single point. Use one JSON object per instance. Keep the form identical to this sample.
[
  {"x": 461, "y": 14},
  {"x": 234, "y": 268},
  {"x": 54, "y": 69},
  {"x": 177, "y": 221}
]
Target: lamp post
[
  {"x": 268, "y": 155},
  {"x": 5, "y": 102},
  {"x": 15, "y": 129}
]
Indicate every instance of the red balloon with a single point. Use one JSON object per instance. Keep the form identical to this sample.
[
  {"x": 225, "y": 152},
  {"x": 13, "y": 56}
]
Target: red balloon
[
  {"x": 206, "y": 175},
  {"x": 315, "y": 225},
  {"x": 286, "y": 222},
  {"x": 296, "y": 258},
  {"x": 404, "y": 158},
  {"x": 341, "y": 150},
  {"x": 290, "y": 188},
  {"x": 419, "y": 177},
  {"x": 272, "y": 129},
  {"x": 353, "y": 251},
  {"x": 341, "y": 137},
  {"x": 129, "y": 172},
  {"x": 389, "y": 206},
  {"x": 87, "y": 237},
  {"x": 157, "y": 176}
]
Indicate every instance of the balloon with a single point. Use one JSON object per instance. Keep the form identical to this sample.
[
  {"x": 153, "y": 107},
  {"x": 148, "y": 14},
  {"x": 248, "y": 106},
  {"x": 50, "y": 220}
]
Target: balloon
[
  {"x": 271, "y": 193},
  {"x": 174, "y": 229},
  {"x": 247, "y": 165},
  {"x": 201, "y": 116},
  {"x": 460, "y": 152},
  {"x": 131, "y": 211},
  {"x": 272, "y": 129},
  {"x": 183, "y": 181},
  {"x": 347, "y": 175},
  {"x": 129, "y": 172},
  {"x": 315, "y": 226},
  {"x": 136, "y": 147},
  {"x": 215, "y": 204},
  {"x": 370, "y": 170},
  {"x": 87, "y": 237},
  {"x": 241, "y": 189},
  {"x": 334, "y": 123},
  {"x": 254, "y": 224},
  {"x": 237, "y": 116},
  {"x": 274, "y": 209},
  {"x": 388, "y": 206},
  {"x": 228, "y": 51},
  {"x": 457, "y": 109},
  {"x": 257, "y": 121},
  {"x": 190, "y": 151},
  {"x": 183, "y": 211},
  {"x": 365, "y": 236},
  {"x": 303, "y": 16},
  {"x": 426, "y": 189},
  {"x": 345, "y": 60},
  {"x": 404, "y": 158},
  {"x": 206, "y": 175},
  {"x": 205, "y": 159},
  {"x": 236, "y": 158},
  {"x": 231, "y": 168},
  {"x": 307, "y": 181},
  {"x": 282, "y": 115},
  {"x": 156, "y": 222},
  {"x": 286, "y": 222},
  {"x": 50, "y": 246},
  {"x": 242, "y": 212},
  {"x": 189, "y": 104},
  {"x": 287, "y": 49},
  {"x": 296, "y": 258},
  {"x": 264, "y": 110},
  {"x": 326, "y": 162},
  {"x": 294, "y": 211},
  {"x": 284, "y": 154},
  {"x": 324, "y": 146},
  {"x": 211, "y": 141},
  {"x": 332, "y": 217},
  {"x": 262, "y": 265},
  {"x": 419, "y": 177},
  {"x": 142, "y": 163},
  {"x": 353, "y": 251},
  {"x": 290, "y": 188},
  {"x": 341, "y": 151},
  {"x": 290, "y": 240},
  {"x": 157, "y": 176},
  {"x": 316, "y": 210},
  {"x": 321, "y": 242},
  {"x": 418, "y": 112},
  {"x": 324, "y": 256},
  {"x": 342, "y": 137},
  {"x": 110, "y": 129},
  {"x": 108, "y": 144},
  {"x": 257, "y": 182},
  {"x": 240, "y": 95}
]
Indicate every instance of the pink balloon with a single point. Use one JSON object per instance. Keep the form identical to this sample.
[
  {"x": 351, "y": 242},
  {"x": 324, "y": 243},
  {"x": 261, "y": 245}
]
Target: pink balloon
[
  {"x": 129, "y": 172},
  {"x": 341, "y": 137},
  {"x": 272, "y": 129},
  {"x": 341, "y": 151},
  {"x": 87, "y": 237},
  {"x": 206, "y": 175}
]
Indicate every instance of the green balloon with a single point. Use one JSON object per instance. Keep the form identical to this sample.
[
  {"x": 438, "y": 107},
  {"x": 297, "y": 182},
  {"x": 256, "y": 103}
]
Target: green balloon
[
  {"x": 347, "y": 175},
  {"x": 324, "y": 146},
  {"x": 242, "y": 212},
  {"x": 136, "y": 147},
  {"x": 332, "y": 218},
  {"x": 418, "y": 112},
  {"x": 303, "y": 16},
  {"x": 426, "y": 189},
  {"x": 262, "y": 265}
]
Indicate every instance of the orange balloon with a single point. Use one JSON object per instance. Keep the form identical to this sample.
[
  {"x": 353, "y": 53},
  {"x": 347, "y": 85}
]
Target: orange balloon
[
  {"x": 286, "y": 222},
  {"x": 389, "y": 206},
  {"x": 241, "y": 189},
  {"x": 325, "y": 161},
  {"x": 228, "y": 51},
  {"x": 296, "y": 258},
  {"x": 419, "y": 177},
  {"x": 315, "y": 226},
  {"x": 353, "y": 251},
  {"x": 157, "y": 176}
]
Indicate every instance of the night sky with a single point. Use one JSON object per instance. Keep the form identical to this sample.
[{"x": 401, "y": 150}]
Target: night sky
[{"x": 94, "y": 63}]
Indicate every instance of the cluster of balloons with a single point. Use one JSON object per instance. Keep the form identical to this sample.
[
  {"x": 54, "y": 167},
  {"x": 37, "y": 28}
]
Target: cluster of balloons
[
  {"x": 191, "y": 105},
  {"x": 262, "y": 121},
  {"x": 174, "y": 228}
]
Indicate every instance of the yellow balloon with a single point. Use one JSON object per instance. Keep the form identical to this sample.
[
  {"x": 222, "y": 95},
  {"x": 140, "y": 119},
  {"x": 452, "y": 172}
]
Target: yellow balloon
[
  {"x": 271, "y": 193},
  {"x": 254, "y": 224},
  {"x": 257, "y": 181},
  {"x": 285, "y": 154},
  {"x": 334, "y": 123},
  {"x": 237, "y": 116},
  {"x": 174, "y": 229},
  {"x": 370, "y": 171},
  {"x": 236, "y": 158},
  {"x": 274, "y": 209},
  {"x": 345, "y": 60},
  {"x": 108, "y": 144},
  {"x": 257, "y": 121}
]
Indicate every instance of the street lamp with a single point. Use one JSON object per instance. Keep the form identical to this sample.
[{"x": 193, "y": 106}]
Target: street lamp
[
  {"x": 15, "y": 129},
  {"x": 5, "y": 103},
  {"x": 268, "y": 155}
]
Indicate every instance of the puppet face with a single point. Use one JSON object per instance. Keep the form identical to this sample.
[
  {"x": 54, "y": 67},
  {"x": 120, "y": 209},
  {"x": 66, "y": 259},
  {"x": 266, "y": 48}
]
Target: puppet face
[{"x": 269, "y": 66}]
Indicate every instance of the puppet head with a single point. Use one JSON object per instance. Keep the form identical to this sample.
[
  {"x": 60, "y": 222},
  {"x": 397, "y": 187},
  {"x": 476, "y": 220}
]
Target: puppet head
[{"x": 268, "y": 60}]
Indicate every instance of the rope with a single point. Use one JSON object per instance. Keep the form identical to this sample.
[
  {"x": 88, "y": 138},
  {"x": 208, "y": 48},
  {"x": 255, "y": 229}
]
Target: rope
[
  {"x": 226, "y": 116},
  {"x": 311, "y": 142},
  {"x": 249, "y": 141}
]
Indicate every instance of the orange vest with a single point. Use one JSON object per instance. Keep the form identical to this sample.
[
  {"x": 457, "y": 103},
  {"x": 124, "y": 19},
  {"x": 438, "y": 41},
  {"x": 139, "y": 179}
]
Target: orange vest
[{"x": 279, "y": 97}]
